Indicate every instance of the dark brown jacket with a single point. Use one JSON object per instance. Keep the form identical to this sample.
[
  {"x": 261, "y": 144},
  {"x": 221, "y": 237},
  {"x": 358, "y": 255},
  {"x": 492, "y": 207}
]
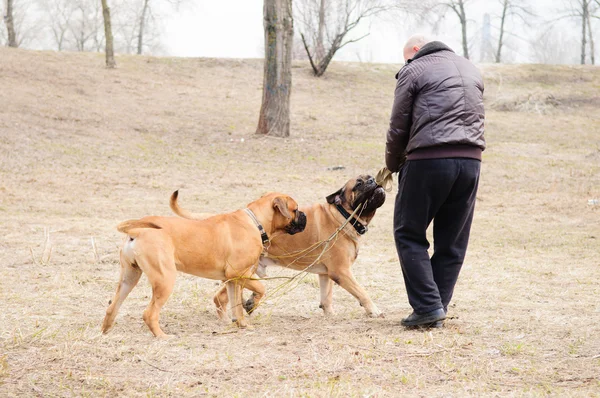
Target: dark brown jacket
[{"x": 438, "y": 108}]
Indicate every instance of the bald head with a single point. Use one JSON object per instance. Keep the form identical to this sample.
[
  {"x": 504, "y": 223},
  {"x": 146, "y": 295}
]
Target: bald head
[{"x": 414, "y": 44}]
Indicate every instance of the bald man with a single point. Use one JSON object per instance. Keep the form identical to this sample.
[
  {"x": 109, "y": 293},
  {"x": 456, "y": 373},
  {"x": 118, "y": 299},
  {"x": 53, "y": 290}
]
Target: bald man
[{"x": 435, "y": 141}]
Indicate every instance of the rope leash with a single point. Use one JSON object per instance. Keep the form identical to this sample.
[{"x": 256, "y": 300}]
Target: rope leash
[
  {"x": 384, "y": 179},
  {"x": 301, "y": 273}
]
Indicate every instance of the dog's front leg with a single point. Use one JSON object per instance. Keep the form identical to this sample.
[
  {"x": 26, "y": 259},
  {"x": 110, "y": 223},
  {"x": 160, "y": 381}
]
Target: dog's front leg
[
  {"x": 234, "y": 292},
  {"x": 326, "y": 285},
  {"x": 347, "y": 281}
]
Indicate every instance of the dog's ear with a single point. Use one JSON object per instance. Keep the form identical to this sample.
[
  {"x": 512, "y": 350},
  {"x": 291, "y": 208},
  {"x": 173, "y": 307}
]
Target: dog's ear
[
  {"x": 280, "y": 204},
  {"x": 336, "y": 197}
]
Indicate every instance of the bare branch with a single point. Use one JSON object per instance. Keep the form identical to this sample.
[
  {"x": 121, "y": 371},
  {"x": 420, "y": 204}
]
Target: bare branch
[
  {"x": 310, "y": 58},
  {"x": 353, "y": 41},
  {"x": 332, "y": 21}
]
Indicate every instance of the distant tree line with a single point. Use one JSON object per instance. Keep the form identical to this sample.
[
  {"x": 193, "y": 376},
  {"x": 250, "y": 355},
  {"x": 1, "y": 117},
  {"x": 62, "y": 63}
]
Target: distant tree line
[
  {"x": 322, "y": 27},
  {"x": 78, "y": 25}
]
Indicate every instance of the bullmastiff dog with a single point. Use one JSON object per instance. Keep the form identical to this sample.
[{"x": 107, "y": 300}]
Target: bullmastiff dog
[
  {"x": 224, "y": 247},
  {"x": 301, "y": 252}
]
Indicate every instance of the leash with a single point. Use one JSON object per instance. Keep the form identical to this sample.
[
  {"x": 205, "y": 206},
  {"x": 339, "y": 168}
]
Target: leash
[
  {"x": 263, "y": 233},
  {"x": 326, "y": 246}
]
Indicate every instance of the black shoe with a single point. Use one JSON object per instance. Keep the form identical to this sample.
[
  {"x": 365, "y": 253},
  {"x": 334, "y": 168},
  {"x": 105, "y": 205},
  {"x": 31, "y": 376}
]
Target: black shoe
[
  {"x": 437, "y": 325},
  {"x": 428, "y": 318}
]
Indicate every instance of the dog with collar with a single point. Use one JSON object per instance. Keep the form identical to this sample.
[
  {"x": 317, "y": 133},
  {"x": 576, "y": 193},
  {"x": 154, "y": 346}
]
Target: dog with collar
[
  {"x": 304, "y": 251},
  {"x": 225, "y": 247}
]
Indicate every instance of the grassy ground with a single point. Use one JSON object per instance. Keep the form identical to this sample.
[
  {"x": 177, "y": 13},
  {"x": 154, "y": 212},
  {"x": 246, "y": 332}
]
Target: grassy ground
[{"x": 83, "y": 148}]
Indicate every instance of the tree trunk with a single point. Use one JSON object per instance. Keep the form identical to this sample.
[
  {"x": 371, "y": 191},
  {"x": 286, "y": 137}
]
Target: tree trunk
[
  {"x": 591, "y": 39},
  {"x": 274, "y": 117},
  {"x": 110, "y": 54},
  {"x": 583, "y": 26},
  {"x": 320, "y": 47},
  {"x": 463, "y": 25},
  {"x": 500, "y": 39},
  {"x": 10, "y": 25},
  {"x": 142, "y": 25}
]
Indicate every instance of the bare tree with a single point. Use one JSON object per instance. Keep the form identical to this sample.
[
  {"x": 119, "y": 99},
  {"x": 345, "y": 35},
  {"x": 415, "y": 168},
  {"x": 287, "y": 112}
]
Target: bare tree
[
  {"x": 10, "y": 25},
  {"x": 147, "y": 16},
  {"x": 511, "y": 9},
  {"x": 584, "y": 19},
  {"x": 21, "y": 20},
  {"x": 458, "y": 7},
  {"x": 553, "y": 46},
  {"x": 591, "y": 11},
  {"x": 325, "y": 25},
  {"x": 108, "y": 36},
  {"x": 125, "y": 17},
  {"x": 87, "y": 27},
  {"x": 59, "y": 14},
  {"x": 141, "y": 25},
  {"x": 74, "y": 25},
  {"x": 582, "y": 10},
  {"x": 274, "y": 117}
]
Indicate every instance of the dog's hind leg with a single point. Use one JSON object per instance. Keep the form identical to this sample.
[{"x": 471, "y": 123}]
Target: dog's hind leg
[
  {"x": 162, "y": 279},
  {"x": 221, "y": 299},
  {"x": 130, "y": 275}
]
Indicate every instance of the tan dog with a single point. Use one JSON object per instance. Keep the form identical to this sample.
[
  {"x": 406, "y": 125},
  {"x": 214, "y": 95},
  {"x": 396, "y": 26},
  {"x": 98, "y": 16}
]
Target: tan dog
[
  {"x": 225, "y": 247},
  {"x": 323, "y": 219}
]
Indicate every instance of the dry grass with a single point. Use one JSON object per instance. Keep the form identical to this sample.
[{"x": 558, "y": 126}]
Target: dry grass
[{"x": 82, "y": 148}]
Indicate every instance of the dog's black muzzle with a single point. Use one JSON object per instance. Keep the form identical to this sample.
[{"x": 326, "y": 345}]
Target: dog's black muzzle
[
  {"x": 372, "y": 196},
  {"x": 297, "y": 225},
  {"x": 375, "y": 201}
]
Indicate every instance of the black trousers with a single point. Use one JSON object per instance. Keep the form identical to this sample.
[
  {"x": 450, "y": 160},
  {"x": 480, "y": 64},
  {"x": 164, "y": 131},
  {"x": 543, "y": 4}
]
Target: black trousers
[{"x": 442, "y": 190}]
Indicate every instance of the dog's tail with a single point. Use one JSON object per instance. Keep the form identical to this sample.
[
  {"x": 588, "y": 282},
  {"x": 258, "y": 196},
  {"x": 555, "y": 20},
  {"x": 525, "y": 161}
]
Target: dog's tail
[
  {"x": 128, "y": 225},
  {"x": 184, "y": 213}
]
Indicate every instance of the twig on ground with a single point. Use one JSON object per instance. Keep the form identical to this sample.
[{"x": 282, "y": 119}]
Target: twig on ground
[
  {"x": 46, "y": 254},
  {"x": 95, "y": 250},
  {"x": 154, "y": 366}
]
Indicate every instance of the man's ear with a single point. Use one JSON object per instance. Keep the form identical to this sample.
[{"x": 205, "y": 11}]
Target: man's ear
[
  {"x": 280, "y": 204},
  {"x": 335, "y": 198}
]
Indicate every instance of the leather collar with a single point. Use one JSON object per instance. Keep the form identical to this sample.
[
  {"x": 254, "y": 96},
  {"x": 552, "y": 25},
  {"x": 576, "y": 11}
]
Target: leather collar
[
  {"x": 263, "y": 233},
  {"x": 358, "y": 226}
]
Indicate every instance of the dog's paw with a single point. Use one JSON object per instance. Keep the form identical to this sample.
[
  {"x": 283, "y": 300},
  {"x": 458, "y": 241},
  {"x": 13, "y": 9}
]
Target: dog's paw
[
  {"x": 328, "y": 312},
  {"x": 241, "y": 323},
  {"x": 165, "y": 337},
  {"x": 376, "y": 314}
]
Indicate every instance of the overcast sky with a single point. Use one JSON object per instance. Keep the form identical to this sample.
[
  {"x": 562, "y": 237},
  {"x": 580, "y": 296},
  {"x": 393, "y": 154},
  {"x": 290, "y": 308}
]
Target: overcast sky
[{"x": 234, "y": 28}]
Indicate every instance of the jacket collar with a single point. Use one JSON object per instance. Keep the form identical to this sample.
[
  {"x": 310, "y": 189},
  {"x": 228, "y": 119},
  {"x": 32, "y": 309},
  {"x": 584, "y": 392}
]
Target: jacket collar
[{"x": 429, "y": 48}]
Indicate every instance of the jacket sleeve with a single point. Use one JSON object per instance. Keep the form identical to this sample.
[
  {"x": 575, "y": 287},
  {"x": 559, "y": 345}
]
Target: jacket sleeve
[{"x": 400, "y": 122}]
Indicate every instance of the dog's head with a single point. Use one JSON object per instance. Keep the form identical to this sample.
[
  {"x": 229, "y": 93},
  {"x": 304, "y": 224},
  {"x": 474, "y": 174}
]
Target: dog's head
[
  {"x": 286, "y": 216},
  {"x": 361, "y": 190}
]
